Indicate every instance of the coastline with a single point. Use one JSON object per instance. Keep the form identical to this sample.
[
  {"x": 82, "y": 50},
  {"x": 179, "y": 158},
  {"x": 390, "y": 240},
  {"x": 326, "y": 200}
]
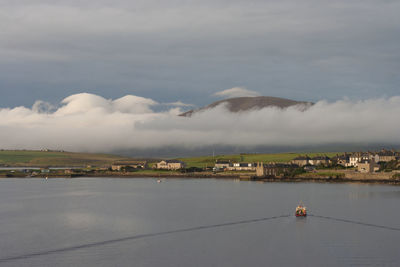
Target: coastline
[{"x": 241, "y": 177}]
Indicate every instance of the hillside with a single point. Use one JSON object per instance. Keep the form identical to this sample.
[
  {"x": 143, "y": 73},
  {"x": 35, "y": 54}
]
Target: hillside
[
  {"x": 27, "y": 158},
  {"x": 239, "y": 104}
]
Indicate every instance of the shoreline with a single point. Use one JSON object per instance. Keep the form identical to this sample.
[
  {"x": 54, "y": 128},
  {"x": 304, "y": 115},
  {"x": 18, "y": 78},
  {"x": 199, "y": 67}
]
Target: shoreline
[{"x": 241, "y": 177}]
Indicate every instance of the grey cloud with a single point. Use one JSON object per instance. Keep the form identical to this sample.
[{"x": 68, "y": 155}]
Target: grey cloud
[{"x": 43, "y": 107}]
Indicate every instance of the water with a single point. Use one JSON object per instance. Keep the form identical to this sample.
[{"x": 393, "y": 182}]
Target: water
[
  {"x": 35, "y": 168},
  {"x": 188, "y": 222}
]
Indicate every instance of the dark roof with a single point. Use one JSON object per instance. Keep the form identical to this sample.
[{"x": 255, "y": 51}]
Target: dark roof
[
  {"x": 341, "y": 157},
  {"x": 279, "y": 165},
  {"x": 302, "y": 158},
  {"x": 222, "y": 162},
  {"x": 173, "y": 161},
  {"x": 386, "y": 153},
  {"x": 129, "y": 162},
  {"x": 365, "y": 161},
  {"x": 320, "y": 158}
]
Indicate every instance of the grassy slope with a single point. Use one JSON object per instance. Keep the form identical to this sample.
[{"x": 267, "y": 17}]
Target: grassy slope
[
  {"x": 279, "y": 157},
  {"x": 42, "y": 159}
]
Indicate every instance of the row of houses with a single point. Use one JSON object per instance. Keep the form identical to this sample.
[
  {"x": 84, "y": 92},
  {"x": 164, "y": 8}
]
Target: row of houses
[
  {"x": 171, "y": 164},
  {"x": 353, "y": 159},
  {"x": 314, "y": 161},
  {"x": 348, "y": 159},
  {"x": 261, "y": 169},
  {"x": 162, "y": 165},
  {"x": 123, "y": 165},
  {"x": 364, "y": 161},
  {"x": 234, "y": 166}
]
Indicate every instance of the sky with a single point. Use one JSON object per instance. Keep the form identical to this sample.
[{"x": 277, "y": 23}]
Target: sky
[
  {"x": 187, "y": 51},
  {"x": 105, "y": 76}
]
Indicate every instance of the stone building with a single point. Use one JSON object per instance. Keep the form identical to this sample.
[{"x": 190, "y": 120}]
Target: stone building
[
  {"x": 242, "y": 166},
  {"x": 222, "y": 164},
  {"x": 342, "y": 160},
  {"x": 357, "y": 157},
  {"x": 119, "y": 165},
  {"x": 170, "y": 164},
  {"x": 320, "y": 160},
  {"x": 273, "y": 169},
  {"x": 386, "y": 155},
  {"x": 367, "y": 166},
  {"x": 301, "y": 160}
]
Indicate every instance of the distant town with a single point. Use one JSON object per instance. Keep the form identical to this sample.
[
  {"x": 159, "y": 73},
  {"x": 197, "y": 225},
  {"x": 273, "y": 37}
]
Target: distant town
[
  {"x": 369, "y": 166},
  {"x": 383, "y": 164}
]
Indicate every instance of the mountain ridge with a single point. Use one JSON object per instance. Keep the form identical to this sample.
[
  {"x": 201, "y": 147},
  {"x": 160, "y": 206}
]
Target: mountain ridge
[{"x": 240, "y": 104}]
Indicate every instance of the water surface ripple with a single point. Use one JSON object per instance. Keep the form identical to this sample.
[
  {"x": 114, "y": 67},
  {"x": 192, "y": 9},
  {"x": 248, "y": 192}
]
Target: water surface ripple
[{"x": 196, "y": 222}]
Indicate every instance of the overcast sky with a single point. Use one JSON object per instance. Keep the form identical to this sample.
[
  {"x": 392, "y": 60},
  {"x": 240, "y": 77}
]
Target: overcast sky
[{"x": 187, "y": 51}]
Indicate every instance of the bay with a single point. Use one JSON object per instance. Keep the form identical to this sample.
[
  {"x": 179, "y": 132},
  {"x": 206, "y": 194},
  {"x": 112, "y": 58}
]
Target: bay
[{"x": 196, "y": 222}]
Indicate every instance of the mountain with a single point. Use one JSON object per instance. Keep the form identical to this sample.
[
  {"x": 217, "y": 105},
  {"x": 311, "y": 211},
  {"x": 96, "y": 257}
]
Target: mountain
[{"x": 239, "y": 104}]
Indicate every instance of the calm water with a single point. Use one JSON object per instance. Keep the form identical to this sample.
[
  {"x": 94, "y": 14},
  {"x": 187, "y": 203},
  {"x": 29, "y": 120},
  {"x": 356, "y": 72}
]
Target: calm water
[{"x": 127, "y": 222}]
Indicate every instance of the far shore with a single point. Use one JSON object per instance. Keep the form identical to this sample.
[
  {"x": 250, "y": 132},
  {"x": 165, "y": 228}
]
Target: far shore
[{"x": 366, "y": 179}]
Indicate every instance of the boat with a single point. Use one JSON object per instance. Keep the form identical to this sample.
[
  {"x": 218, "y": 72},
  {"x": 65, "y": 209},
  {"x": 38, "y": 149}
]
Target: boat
[{"x": 301, "y": 211}]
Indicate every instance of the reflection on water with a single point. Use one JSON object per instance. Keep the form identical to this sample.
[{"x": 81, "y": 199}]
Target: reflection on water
[
  {"x": 118, "y": 222},
  {"x": 374, "y": 194}
]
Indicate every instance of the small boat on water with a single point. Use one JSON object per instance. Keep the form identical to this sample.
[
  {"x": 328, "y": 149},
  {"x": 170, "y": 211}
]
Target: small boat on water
[{"x": 301, "y": 211}]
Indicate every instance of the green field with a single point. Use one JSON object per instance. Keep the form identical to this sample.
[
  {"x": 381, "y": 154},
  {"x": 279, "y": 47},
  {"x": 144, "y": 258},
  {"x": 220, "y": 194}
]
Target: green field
[
  {"x": 209, "y": 161},
  {"x": 29, "y": 158}
]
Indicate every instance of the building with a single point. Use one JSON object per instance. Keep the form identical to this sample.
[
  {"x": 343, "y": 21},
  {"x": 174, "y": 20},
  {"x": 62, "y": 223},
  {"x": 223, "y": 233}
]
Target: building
[
  {"x": 301, "y": 160},
  {"x": 374, "y": 156},
  {"x": 342, "y": 160},
  {"x": 120, "y": 165},
  {"x": 242, "y": 166},
  {"x": 170, "y": 164},
  {"x": 320, "y": 160},
  {"x": 357, "y": 157},
  {"x": 273, "y": 169},
  {"x": 386, "y": 155},
  {"x": 367, "y": 166},
  {"x": 260, "y": 169},
  {"x": 222, "y": 164}
]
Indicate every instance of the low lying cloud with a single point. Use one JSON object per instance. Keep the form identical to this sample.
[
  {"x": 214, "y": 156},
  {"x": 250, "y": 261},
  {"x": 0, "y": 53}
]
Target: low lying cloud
[
  {"x": 87, "y": 122},
  {"x": 236, "y": 92},
  {"x": 179, "y": 104}
]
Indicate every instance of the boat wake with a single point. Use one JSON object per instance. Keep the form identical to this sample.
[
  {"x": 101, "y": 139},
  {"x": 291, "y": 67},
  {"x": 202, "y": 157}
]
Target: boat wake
[
  {"x": 355, "y": 222},
  {"x": 128, "y": 238},
  {"x": 190, "y": 229}
]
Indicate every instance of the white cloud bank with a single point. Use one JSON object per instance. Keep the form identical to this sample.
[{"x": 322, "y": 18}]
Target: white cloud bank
[
  {"x": 87, "y": 122},
  {"x": 236, "y": 92}
]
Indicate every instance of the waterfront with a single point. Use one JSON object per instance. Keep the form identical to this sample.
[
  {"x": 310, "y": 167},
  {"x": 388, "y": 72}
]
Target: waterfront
[{"x": 127, "y": 222}]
